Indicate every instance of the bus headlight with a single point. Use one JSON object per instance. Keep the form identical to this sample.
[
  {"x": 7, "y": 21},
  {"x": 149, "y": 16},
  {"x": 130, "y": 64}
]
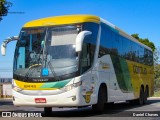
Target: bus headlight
[
  {"x": 17, "y": 89},
  {"x": 71, "y": 86}
]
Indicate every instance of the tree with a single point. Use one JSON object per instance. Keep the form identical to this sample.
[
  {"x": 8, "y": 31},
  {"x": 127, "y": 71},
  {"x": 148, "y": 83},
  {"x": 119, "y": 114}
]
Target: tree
[
  {"x": 135, "y": 36},
  {"x": 144, "y": 41},
  {"x": 157, "y": 76},
  {"x": 4, "y": 7},
  {"x": 157, "y": 68},
  {"x": 156, "y": 56}
]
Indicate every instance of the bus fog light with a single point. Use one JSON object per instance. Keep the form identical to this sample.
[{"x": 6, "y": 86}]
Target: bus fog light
[{"x": 13, "y": 98}]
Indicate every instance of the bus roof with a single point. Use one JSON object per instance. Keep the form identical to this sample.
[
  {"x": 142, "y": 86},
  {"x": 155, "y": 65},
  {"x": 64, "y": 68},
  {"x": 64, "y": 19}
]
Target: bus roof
[
  {"x": 62, "y": 20},
  {"x": 73, "y": 19}
]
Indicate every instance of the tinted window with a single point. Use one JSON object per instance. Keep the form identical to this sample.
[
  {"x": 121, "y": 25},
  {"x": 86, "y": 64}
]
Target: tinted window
[
  {"x": 141, "y": 54},
  {"x": 116, "y": 44},
  {"x": 105, "y": 40},
  {"x": 89, "y": 46}
]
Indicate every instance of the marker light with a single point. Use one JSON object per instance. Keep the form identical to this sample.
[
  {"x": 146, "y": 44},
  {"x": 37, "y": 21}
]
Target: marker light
[{"x": 17, "y": 89}]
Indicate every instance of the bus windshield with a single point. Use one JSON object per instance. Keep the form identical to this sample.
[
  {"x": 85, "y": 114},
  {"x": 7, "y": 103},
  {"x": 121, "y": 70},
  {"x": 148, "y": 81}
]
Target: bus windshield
[{"x": 46, "y": 52}]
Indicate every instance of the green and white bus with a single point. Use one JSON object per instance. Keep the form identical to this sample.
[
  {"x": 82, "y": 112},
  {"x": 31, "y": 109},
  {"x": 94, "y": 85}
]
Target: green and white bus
[{"x": 76, "y": 61}]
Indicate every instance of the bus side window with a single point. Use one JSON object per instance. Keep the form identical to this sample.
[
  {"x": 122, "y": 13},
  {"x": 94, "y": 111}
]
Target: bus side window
[{"x": 87, "y": 56}]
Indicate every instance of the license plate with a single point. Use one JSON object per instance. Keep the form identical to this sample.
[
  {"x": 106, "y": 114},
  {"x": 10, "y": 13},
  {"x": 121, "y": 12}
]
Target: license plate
[{"x": 40, "y": 100}]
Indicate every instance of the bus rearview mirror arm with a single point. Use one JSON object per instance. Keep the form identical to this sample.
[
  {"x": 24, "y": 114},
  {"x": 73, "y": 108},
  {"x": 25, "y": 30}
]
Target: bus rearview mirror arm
[
  {"x": 80, "y": 38},
  {"x": 5, "y": 42}
]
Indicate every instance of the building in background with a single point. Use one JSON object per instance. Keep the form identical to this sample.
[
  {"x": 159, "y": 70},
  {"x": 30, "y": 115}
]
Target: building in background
[{"x": 5, "y": 87}]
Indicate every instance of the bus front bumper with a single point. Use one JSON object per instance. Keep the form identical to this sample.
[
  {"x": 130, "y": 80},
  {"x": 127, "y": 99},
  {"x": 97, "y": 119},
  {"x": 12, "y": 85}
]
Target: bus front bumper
[{"x": 71, "y": 98}]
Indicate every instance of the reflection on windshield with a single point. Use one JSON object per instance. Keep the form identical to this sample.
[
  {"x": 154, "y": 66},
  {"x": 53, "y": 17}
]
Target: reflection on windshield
[
  {"x": 56, "y": 53},
  {"x": 28, "y": 48}
]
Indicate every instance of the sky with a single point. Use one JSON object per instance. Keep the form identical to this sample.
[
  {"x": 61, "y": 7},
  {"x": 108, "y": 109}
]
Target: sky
[{"x": 132, "y": 16}]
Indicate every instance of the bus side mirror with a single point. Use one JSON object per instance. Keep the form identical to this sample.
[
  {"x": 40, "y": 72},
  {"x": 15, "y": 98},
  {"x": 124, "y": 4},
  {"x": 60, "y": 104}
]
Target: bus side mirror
[
  {"x": 5, "y": 42},
  {"x": 80, "y": 38},
  {"x": 3, "y": 49}
]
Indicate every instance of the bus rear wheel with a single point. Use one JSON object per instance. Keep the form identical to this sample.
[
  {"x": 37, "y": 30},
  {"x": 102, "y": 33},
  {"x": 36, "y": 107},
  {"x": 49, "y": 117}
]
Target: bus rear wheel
[
  {"x": 146, "y": 95},
  {"x": 140, "y": 100},
  {"x": 102, "y": 96}
]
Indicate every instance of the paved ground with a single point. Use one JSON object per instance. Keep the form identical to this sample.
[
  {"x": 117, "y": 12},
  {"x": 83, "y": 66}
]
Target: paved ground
[{"x": 121, "y": 110}]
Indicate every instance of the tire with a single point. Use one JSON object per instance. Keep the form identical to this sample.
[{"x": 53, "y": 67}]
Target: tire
[
  {"x": 102, "y": 96},
  {"x": 146, "y": 94},
  {"x": 140, "y": 100},
  {"x": 47, "y": 111},
  {"x": 108, "y": 105},
  {"x": 132, "y": 102}
]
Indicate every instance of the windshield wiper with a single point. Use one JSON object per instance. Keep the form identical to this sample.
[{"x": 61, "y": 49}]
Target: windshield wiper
[
  {"x": 52, "y": 70},
  {"x": 31, "y": 71}
]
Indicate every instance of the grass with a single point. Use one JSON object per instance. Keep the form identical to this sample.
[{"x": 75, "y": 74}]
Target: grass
[{"x": 156, "y": 94}]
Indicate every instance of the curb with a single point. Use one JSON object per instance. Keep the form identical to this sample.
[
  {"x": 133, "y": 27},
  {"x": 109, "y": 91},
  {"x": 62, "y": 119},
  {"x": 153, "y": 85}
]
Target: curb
[
  {"x": 5, "y": 98},
  {"x": 154, "y": 97}
]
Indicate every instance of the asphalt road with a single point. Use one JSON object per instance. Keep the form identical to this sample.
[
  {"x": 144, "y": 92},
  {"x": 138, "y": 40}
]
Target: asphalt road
[{"x": 121, "y": 110}]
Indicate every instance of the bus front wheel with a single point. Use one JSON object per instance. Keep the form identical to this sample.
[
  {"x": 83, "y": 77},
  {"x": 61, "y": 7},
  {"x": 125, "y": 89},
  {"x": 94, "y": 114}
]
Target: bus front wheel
[
  {"x": 47, "y": 111},
  {"x": 99, "y": 107}
]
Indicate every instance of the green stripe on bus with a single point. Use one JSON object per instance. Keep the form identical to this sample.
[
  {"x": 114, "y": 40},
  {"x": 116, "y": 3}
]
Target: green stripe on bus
[
  {"x": 122, "y": 73},
  {"x": 58, "y": 84},
  {"x": 126, "y": 74}
]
